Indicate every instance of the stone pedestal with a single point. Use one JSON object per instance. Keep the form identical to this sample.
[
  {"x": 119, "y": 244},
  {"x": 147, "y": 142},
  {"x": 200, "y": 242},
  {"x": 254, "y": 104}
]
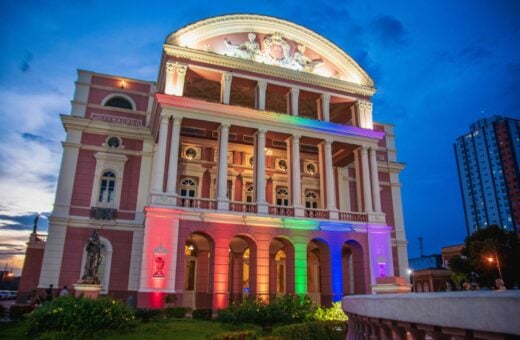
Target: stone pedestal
[
  {"x": 391, "y": 285},
  {"x": 90, "y": 291}
]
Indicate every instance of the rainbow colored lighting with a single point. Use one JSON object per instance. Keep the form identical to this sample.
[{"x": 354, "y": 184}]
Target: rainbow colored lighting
[
  {"x": 294, "y": 223},
  {"x": 300, "y": 268}
]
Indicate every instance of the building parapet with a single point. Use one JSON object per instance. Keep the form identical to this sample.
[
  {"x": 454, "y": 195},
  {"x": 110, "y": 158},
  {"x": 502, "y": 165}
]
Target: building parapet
[{"x": 479, "y": 315}]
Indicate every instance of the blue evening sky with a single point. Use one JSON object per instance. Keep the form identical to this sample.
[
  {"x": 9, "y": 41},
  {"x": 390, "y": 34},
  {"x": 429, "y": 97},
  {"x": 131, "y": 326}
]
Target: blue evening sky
[{"x": 437, "y": 65}]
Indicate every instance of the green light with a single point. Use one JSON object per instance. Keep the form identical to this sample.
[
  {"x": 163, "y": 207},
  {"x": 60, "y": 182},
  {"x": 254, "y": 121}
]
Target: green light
[
  {"x": 295, "y": 223},
  {"x": 300, "y": 268}
]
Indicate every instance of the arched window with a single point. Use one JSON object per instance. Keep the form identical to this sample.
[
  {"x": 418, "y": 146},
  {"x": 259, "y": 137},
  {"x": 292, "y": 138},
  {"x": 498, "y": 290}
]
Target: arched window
[
  {"x": 107, "y": 188},
  {"x": 188, "y": 190},
  {"x": 311, "y": 200},
  {"x": 282, "y": 196},
  {"x": 280, "y": 258},
  {"x": 119, "y": 102}
]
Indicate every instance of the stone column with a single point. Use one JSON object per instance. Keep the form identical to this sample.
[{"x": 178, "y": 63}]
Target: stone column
[
  {"x": 67, "y": 170},
  {"x": 295, "y": 92},
  {"x": 181, "y": 76},
  {"x": 376, "y": 196},
  {"x": 160, "y": 154},
  {"x": 367, "y": 196},
  {"x": 259, "y": 168},
  {"x": 171, "y": 186},
  {"x": 325, "y": 107},
  {"x": 364, "y": 114},
  {"x": 225, "y": 88},
  {"x": 293, "y": 149},
  {"x": 169, "y": 79},
  {"x": 330, "y": 186},
  {"x": 223, "y": 200},
  {"x": 261, "y": 90}
]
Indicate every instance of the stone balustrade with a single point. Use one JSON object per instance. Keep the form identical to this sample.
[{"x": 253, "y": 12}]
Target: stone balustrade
[{"x": 450, "y": 315}]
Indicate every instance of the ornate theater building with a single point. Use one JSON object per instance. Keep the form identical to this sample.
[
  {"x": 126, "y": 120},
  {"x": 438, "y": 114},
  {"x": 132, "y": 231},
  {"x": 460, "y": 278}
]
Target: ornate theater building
[{"x": 252, "y": 167}]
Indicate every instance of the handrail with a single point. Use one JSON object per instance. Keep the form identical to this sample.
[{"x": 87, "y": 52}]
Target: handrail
[
  {"x": 468, "y": 315},
  {"x": 281, "y": 210},
  {"x": 196, "y": 203},
  {"x": 242, "y": 207},
  {"x": 353, "y": 216}
]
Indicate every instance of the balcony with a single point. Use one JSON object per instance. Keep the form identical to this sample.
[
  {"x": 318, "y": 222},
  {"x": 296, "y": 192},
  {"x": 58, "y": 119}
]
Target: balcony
[
  {"x": 243, "y": 207},
  {"x": 248, "y": 208},
  {"x": 317, "y": 213},
  {"x": 197, "y": 203},
  {"x": 99, "y": 213}
]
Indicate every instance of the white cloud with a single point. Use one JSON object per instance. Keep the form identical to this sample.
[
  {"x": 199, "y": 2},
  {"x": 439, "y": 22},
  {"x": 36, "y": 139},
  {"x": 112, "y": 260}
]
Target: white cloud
[{"x": 29, "y": 166}]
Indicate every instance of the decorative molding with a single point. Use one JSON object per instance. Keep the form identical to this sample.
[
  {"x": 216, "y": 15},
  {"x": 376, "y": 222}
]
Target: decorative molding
[
  {"x": 269, "y": 70},
  {"x": 195, "y": 33}
]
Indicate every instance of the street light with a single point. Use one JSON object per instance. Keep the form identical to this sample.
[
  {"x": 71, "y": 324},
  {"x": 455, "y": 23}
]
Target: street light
[{"x": 491, "y": 260}]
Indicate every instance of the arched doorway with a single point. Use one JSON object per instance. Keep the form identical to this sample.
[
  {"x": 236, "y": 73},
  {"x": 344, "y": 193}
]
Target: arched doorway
[
  {"x": 198, "y": 258},
  {"x": 242, "y": 268},
  {"x": 319, "y": 286},
  {"x": 353, "y": 263},
  {"x": 281, "y": 267}
]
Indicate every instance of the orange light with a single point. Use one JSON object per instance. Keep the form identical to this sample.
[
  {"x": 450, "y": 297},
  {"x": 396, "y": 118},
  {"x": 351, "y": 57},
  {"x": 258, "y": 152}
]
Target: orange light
[
  {"x": 123, "y": 84},
  {"x": 490, "y": 259}
]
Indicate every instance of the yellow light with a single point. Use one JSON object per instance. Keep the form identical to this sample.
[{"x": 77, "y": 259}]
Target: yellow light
[
  {"x": 490, "y": 259},
  {"x": 123, "y": 84}
]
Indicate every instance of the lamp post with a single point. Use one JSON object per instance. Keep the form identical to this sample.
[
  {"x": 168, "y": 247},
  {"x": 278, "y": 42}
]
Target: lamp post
[{"x": 491, "y": 260}]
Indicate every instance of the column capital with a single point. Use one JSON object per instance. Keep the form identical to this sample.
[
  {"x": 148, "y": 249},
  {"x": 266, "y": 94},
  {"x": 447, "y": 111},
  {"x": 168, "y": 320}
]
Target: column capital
[
  {"x": 294, "y": 90},
  {"x": 295, "y": 138},
  {"x": 177, "y": 120},
  {"x": 181, "y": 69},
  {"x": 262, "y": 84},
  {"x": 165, "y": 119},
  {"x": 261, "y": 132},
  {"x": 364, "y": 149},
  {"x": 226, "y": 77},
  {"x": 327, "y": 142},
  {"x": 373, "y": 148},
  {"x": 170, "y": 67},
  {"x": 325, "y": 96},
  {"x": 225, "y": 125}
]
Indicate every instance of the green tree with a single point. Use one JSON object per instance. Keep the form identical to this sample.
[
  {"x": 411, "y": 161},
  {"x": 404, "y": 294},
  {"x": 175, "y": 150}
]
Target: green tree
[{"x": 489, "y": 243}]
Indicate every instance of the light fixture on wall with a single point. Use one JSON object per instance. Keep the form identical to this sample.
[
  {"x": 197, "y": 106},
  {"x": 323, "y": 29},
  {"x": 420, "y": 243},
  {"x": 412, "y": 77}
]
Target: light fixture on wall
[
  {"x": 123, "y": 83},
  {"x": 191, "y": 247}
]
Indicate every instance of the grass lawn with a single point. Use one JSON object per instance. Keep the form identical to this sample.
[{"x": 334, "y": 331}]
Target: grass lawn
[{"x": 160, "y": 329}]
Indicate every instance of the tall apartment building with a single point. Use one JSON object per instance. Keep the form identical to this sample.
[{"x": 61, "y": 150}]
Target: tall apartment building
[
  {"x": 488, "y": 160},
  {"x": 252, "y": 167}
]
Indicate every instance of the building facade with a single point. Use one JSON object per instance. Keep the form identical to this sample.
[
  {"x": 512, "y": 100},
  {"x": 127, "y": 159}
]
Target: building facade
[
  {"x": 252, "y": 167},
  {"x": 488, "y": 161}
]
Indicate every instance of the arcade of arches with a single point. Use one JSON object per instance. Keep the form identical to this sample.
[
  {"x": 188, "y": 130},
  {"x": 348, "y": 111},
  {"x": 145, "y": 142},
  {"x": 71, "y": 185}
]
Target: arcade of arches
[{"x": 217, "y": 268}]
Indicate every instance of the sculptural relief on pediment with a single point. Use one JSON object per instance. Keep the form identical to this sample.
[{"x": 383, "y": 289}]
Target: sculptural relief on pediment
[{"x": 271, "y": 49}]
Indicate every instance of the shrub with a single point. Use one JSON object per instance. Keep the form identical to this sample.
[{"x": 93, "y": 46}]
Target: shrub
[
  {"x": 333, "y": 313},
  {"x": 79, "y": 316},
  {"x": 280, "y": 310},
  {"x": 18, "y": 312},
  {"x": 176, "y": 312},
  {"x": 237, "y": 335},
  {"x": 147, "y": 314},
  {"x": 202, "y": 314},
  {"x": 323, "y": 330}
]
